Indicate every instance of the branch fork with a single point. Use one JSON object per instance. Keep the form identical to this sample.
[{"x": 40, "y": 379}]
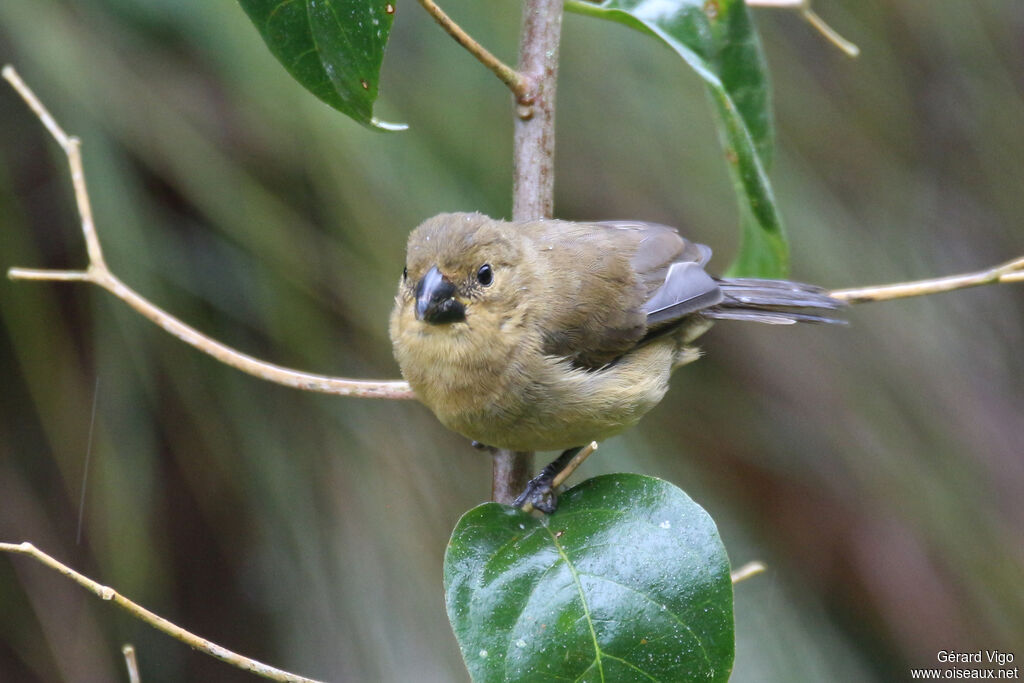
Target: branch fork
[
  {"x": 98, "y": 273},
  {"x": 520, "y": 84}
]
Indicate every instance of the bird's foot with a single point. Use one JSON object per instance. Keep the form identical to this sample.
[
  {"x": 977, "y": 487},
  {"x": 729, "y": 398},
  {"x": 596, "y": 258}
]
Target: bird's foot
[{"x": 540, "y": 491}]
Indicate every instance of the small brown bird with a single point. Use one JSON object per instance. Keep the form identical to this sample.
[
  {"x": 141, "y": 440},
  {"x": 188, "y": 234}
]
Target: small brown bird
[{"x": 549, "y": 334}]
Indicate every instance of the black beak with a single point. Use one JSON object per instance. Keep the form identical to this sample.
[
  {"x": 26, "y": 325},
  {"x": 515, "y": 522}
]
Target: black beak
[{"x": 435, "y": 299}]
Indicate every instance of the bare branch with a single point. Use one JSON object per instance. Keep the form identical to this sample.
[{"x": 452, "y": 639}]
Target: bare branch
[
  {"x": 533, "y": 155},
  {"x": 804, "y": 7},
  {"x": 155, "y": 620},
  {"x": 516, "y": 82},
  {"x": 533, "y": 181},
  {"x": 72, "y": 148},
  {"x": 1012, "y": 271},
  {"x": 99, "y": 274}
]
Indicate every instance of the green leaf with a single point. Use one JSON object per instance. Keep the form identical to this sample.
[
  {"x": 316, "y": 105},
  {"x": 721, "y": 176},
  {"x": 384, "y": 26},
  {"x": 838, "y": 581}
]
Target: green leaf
[
  {"x": 627, "y": 581},
  {"x": 334, "y": 48},
  {"x": 717, "y": 39}
]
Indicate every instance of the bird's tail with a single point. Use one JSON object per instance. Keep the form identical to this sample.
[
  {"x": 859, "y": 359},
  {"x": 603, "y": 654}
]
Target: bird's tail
[{"x": 777, "y": 302}]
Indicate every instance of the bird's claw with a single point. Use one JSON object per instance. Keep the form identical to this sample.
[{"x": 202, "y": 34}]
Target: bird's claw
[{"x": 540, "y": 494}]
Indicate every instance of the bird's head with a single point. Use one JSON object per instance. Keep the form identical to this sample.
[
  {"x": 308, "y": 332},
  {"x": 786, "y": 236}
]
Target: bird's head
[{"x": 461, "y": 298}]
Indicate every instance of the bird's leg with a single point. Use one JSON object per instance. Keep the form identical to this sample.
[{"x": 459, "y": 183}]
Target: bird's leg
[{"x": 539, "y": 491}]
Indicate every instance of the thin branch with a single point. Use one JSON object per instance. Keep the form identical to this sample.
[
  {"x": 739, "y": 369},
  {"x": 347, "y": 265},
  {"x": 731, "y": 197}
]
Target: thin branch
[
  {"x": 155, "y": 620},
  {"x": 132, "y": 662},
  {"x": 746, "y": 571},
  {"x": 1012, "y": 271},
  {"x": 516, "y": 82},
  {"x": 804, "y": 7},
  {"x": 830, "y": 33},
  {"x": 99, "y": 274},
  {"x": 576, "y": 461},
  {"x": 567, "y": 471},
  {"x": 72, "y": 148}
]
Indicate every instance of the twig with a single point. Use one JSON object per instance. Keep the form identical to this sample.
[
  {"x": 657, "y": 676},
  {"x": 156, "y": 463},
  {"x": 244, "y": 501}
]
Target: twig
[
  {"x": 516, "y": 82},
  {"x": 804, "y": 7},
  {"x": 746, "y": 571},
  {"x": 154, "y": 620},
  {"x": 567, "y": 471},
  {"x": 132, "y": 663},
  {"x": 1012, "y": 271},
  {"x": 99, "y": 274},
  {"x": 576, "y": 461}
]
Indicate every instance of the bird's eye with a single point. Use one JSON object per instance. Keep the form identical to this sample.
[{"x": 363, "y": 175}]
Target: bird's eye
[
  {"x": 405, "y": 273},
  {"x": 485, "y": 275}
]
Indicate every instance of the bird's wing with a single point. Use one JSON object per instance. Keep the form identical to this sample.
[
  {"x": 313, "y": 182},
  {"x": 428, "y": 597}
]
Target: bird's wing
[
  {"x": 671, "y": 269},
  {"x": 615, "y": 283}
]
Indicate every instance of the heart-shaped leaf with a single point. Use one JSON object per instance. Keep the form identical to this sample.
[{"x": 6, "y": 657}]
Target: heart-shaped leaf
[
  {"x": 334, "y": 48},
  {"x": 627, "y": 581},
  {"x": 718, "y": 40}
]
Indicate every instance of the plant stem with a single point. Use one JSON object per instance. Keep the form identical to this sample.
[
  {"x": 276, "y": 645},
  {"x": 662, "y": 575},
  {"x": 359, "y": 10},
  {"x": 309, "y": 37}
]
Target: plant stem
[
  {"x": 533, "y": 190},
  {"x": 533, "y": 184},
  {"x": 515, "y": 81}
]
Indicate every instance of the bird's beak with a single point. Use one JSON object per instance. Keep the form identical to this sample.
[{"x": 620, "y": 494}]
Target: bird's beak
[{"x": 435, "y": 299}]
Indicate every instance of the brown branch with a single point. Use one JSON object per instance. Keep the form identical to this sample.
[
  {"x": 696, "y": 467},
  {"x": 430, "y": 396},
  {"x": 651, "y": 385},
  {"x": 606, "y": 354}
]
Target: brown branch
[
  {"x": 533, "y": 183},
  {"x": 516, "y": 82},
  {"x": 99, "y": 274},
  {"x": 533, "y": 189},
  {"x": 155, "y": 620},
  {"x": 1012, "y": 271},
  {"x": 510, "y": 472}
]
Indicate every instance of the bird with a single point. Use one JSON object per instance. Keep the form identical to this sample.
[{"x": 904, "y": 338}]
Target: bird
[{"x": 545, "y": 335}]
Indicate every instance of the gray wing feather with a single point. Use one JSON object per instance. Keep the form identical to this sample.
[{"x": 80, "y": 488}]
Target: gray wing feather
[
  {"x": 687, "y": 289},
  {"x": 671, "y": 268}
]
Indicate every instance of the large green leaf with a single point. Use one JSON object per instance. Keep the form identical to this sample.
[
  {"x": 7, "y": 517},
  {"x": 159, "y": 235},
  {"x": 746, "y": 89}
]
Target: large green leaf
[
  {"x": 627, "y": 581},
  {"x": 718, "y": 40},
  {"x": 334, "y": 48}
]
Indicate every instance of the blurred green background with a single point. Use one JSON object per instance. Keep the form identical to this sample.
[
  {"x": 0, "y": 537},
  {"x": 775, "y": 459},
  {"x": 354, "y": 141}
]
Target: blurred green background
[{"x": 878, "y": 469}]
